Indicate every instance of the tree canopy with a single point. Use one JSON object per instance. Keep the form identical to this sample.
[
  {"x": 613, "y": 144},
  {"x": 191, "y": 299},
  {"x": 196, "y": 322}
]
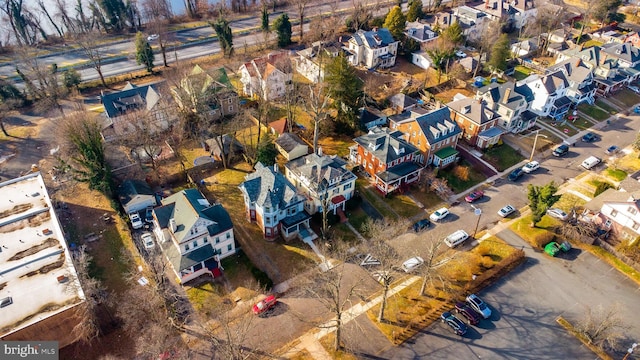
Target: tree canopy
[
  {"x": 395, "y": 22},
  {"x": 541, "y": 198},
  {"x": 415, "y": 10},
  {"x": 345, "y": 88},
  {"x": 282, "y": 26},
  {"x": 454, "y": 34},
  {"x": 499, "y": 53},
  {"x": 144, "y": 53},
  {"x": 225, "y": 36}
]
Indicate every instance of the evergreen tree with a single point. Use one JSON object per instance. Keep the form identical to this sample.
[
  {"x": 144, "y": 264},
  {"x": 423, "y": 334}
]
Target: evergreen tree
[
  {"x": 540, "y": 199},
  {"x": 144, "y": 53},
  {"x": 225, "y": 36},
  {"x": 282, "y": 26},
  {"x": 415, "y": 10},
  {"x": 267, "y": 152},
  {"x": 499, "y": 54},
  {"x": 454, "y": 34},
  {"x": 71, "y": 78},
  {"x": 264, "y": 25},
  {"x": 345, "y": 88},
  {"x": 115, "y": 12},
  {"x": 395, "y": 22}
]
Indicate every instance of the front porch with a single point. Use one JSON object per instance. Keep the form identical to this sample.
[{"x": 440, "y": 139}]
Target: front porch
[
  {"x": 489, "y": 137},
  {"x": 297, "y": 226},
  {"x": 444, "y": 157},
  {"x": 390, "y": 180}
]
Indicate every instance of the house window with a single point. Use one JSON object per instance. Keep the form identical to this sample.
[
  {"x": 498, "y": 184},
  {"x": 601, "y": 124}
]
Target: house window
[
  {"x": 229, "y": 247},
  {"x": 268, "y": 221},
  {"x": 230, "y": 101},
  {"x": 370, "y": 166},
  {"x": 614, "y": 213},
  {"x": 195, "y": 243},
  {"x": 347, "y": 186},
  {"x": 635, "y": 226},
  {"x": 228, "y": 236},
  {"x": 186, "y": 247},
  {"x": 608, "y": 223},
  {"x": 268, "y": 232},
  {"x": 206, "y": 240},
  {"x": 366, "y": 152},
  {"x": 217, "y": 240},
  {"x": 231, "y": 108},
  {"x": 632, "y": 210}
]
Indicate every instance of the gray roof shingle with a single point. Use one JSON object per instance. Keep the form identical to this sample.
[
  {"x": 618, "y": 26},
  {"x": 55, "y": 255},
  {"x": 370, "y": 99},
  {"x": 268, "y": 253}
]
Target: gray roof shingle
[{"x": 269, "y": 188}]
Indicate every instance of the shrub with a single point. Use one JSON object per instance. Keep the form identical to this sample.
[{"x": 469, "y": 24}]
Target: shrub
[
  {"x": 487, "y": 262},
  {"x": 541, "y": 239},
  {"x": 262, "y": 278},
  {"x": 601, "y": 187},
  {"x": 461, "y": 172}
]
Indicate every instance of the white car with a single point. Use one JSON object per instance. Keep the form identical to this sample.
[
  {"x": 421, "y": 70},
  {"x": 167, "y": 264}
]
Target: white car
[
  {"x": 439, "y": 214},
  {"x": 147, "y": 240},
  {"x": 153, "y": 37},
  {"x": 531, "y": 167},
  {"x": 557, "y": 213},
  {"x": 461, "y": 54},
  {"x": 506, "y": 211},
  {"x": 412, "y": 264},
  {"x": 479, "y": 306},
  {"x": 635, "y": 89},
  {"x": 136, "y": 221}
]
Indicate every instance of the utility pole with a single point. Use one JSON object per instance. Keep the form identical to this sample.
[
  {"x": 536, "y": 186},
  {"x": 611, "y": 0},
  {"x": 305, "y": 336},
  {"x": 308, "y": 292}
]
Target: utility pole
[{"x": 535, "y": 142}]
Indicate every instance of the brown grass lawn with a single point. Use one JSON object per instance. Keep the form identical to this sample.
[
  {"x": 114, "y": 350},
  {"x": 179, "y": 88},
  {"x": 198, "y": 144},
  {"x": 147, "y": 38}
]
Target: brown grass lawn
[
  {"x": 336, "y": 145},
  {"x": 629, "y": 163},
  {"x": 428, "y": 198}
]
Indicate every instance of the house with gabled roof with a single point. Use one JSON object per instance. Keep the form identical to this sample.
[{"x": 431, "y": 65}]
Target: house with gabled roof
[
  {"x": 511, "y": 102},
  {"x": 371, "y": 117},
  {"x": 420, "y": 32},
  {"x": 291, "y": 146},
  {"x": 391, "y": 162},
  {"x": 310, "y": 62},
  {"x": 373, "y": 49},
  {"x": 324, "y": 180},
  {"x": 433, "y": 133},
  {"x": 549, "y": 94},
  {"x": 581, "y": 80},
  {"x": 627, "y": 58},
  {"x": 272, "y": 202},
  {"x": 194, "y": 235},
  {"x": 207, "y": 91},
  {"x": 268, "y": 77},
  {"x": 477, "y": 121},
  {"x": 136, "y": 195},
  {"x": 402, "y": 102},
  {"x": 617, "y": 211}
]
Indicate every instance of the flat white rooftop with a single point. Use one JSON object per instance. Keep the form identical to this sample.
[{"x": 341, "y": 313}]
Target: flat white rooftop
[{"x": 36, "y": 269}]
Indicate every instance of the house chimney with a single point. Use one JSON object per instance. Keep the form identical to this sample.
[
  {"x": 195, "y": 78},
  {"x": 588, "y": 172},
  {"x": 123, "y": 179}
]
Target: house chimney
[
  {"x": 319, "y": 150},
  {"x": 275, "y": 167},
  {"x": 172, "y": 225},
  {"x": 438, "y": 104},
  {"x": 577, "y": 63},
  {"x": 486, "y": 4},
  {"x": 507, "y": 93}
]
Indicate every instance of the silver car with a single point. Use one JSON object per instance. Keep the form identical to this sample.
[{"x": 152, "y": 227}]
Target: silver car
[{"x": 506, "y": 211}]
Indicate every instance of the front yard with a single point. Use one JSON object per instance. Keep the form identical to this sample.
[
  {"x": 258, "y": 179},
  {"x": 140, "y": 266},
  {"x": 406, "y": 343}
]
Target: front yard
[
  {"x": 593, "y": 112},
  {"x": 627, "y": 97},
  {"x": 502, "y": 157},
  {"x": 461, "y": 176}
]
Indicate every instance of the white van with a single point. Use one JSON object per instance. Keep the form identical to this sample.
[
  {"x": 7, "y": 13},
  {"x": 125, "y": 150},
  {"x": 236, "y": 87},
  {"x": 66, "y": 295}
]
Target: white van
[
  {"x": 456, "y": 238},
  {"x": 590, "y": 162}
]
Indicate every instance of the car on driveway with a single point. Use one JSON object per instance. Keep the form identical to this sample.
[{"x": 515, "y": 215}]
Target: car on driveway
[
  {"x": 461, "y": 54},
  {"x": 412, "y": 264},
  {"x": 148, "y": 240},
  {"x": 465, "y": 310},
  {"x": 558, "y": 214},
  {"x": 148, "y": 215},
  {"x": 474, "y": 196},
  {"x": 265, "y": 305},
  {"x": 589, "y": 137},
  {"x": 561, "y": 150},
  {"x": 516, "y": 174},
  {"x": 136, "y": 221},
  {"x": 439, "y": 214},
  {"x": 531, "y": 167},
  {"x": 611, "y": 150},
  {"x": 458, "y": 327},
  {"x": 506, "y": 211},
  {"x": 421, "y": 225},
  {"x": 479, "y": 306}
]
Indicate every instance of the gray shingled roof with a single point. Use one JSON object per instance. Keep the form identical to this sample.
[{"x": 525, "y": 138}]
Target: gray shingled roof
[
  {"x": 130, "y": 188},
  {"x": 576, "y": 70},
  {"x": 497, "y": 92},
  {"x": 269, "y": 188},
  {"x": 370, "y": 38},
  {"x": 402, "y": 101},
  {"x": 474, "y": 110},
  {"x": 624, "y": 51},
  {"x": 318, "y": 168},
  {"x": 130, "y": 98},
  {"x": 438, "y": 126},
  {"x": 289, "y": 141},
  {"x": 385, "y": 144}
]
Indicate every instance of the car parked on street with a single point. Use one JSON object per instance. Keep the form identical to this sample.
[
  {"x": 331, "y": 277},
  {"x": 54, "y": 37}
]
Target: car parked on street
[
  {"x": 589, "y": 137},
  {"x": 148, "y": 240},
  {"x": 516, "y": 174},
  {"x": 461, "y": 54},
  {"x": 421, "y": 225},
  {"x": 471, "y": 315},
  {"x": 558, "y": 214},
  {"x": 479, "y": 306},
  {"x": 474, "y": 196},
  {"x": 561, "y": 150},
  {"x": 612, "y": 150},
  {"x": 458, "y": 327},
  {"x": 265, "y": 305},
  {"x": 506, "y": 211},
  {"x": 412, "y": 264},
  {"x": 153, "y": 37},
  {"x": 136, "y": 222},
  {"x": 456, "y": 238},
  {"x": 531, "y": 167},
  {"x": 439, "y": 214}
]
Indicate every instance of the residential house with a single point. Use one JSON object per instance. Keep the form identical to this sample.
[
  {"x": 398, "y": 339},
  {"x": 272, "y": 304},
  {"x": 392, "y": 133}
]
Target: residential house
[
  {"x": 279, "y": 127},
  {"x": 371, "y": 117},
  {"x": 291, "y": 147},
  {"x": 442, "y": 19},
  {"x": 549, "y": 94},
  {"x": 310, "y": 62},
  {"x": 402, "y": 102},
  {"x": 207, "y": 91},
  {"x": 581, "y": 80},
  {"x": 135, "y": 109},
  {"x": 421, "y": 59},
  {"x": 511, "y": 102},
  {"x": 324, "y": 180},
  {"x": 617, "y": 211},
  {"x": 477, "y": 121},
  {"x": 524, "y": 48},
  {"x": 433, "y": 133},
  {"x": 472, "y": 21},
  {"x": 469, "y": 63},
  {"x": 611, "y": 36},
  {"x": 391, "y": 162},
  {"x": 230, "y": 145},
  {"x": 135, "y": 195},
  {"x": 193, "y": 234},
  {"x": 525, "y": 11},
  {"x": 268, "y": 77},
  {"x": 420, "y": 32},
  {"x": 273, "y": 203},
  {"x": 633, "y": 38},
  {"x": 627, "y": 57},
  {"x": 373, "y": 49}
]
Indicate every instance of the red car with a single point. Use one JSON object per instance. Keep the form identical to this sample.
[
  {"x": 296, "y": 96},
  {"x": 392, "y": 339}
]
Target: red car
[
  {"x": 265, "y": 305},
  {"x": 474, "y": 196}
]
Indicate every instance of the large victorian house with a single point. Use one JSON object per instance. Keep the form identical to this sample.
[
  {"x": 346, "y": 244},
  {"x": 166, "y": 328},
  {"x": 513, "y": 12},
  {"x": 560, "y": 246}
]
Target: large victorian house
[
  {"x": 273, "y": 203},
  {"x": 268, "y": 77},
  {"x": 387, "y": 158},
  {"x": 372, "y": 49},
  {"x": 511, "y": 102},
  {"x": 193, "y": 234}
]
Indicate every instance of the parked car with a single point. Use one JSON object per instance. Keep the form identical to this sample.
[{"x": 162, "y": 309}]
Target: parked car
[
  {"x": 558, "y": 214},
  {"x": 421, "y": 225},
  {"x": 506, "y": 211},
  {"x": 635, "y": 89},
  {"x": 148, "y": 215},
  {"x": 136, "y": 222},
  {"x": 553, "y": 248},
  {"x": 474, "y": 196},
  {"x": 611, "y": 150},
  {"x": 590, "y": 162},
  {"x": 561, "y": 150},
  {"x": 479, "y": 306},
  {"x": 458, "y": 327},
  {"x": 472, "y": 316},
  {"x": 147, "y": 240},
  {"x": 456, "y": 238},
  {"x": 412, "y": 264},
  {"x": 265, "y": 305},
  {"x": 461, "y": 54},
  {"x": 153, "y": 37},
  {"x": 531, "y": 167},
  {"x": 589, "y": 137},
  {"x": 516, "y": 174},
  {"x": 439, "y": 214}
]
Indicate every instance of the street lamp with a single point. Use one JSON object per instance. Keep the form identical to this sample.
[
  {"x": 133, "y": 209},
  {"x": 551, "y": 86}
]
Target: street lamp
[
  {"x": 478, "y": 213},
  {"x": 535, "y": 141},
  {"x": 630, "y": 351}
]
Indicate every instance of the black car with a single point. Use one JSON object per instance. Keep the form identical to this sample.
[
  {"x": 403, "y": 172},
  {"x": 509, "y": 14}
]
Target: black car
[
  {"x": 516, "y": 174},
  {"x": 148, "y": 215},
  {"x": 473, "y": 317},
  {"x": 561, "y": 150},
  {"x": 589, "y": 137},
  {"x": 421, "y": 225},
  {"x": 458, "y": 327}
]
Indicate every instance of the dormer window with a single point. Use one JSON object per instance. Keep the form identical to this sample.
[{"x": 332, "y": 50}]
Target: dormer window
[{"x": 632, "y": 210}]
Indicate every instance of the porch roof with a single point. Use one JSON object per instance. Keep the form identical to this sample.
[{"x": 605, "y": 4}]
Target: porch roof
[
  {"x": 446, "y": 152},
  {"x": 398, "y": 171},
  {"x": 296, "y": 219},
  {"x": 185, "y": 261},
  {"x": 491, "y": 133}
]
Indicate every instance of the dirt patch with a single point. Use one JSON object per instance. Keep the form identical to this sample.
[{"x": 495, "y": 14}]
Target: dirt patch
[{"x": 49, "y": 242}]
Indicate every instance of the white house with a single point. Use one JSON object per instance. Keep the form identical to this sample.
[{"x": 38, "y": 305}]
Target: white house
[
  {"x": 511, "y": 102},
  {"x": 549, "y": 94},
  {"x": 421, "y": 33},
  {"x": 524, "y": 48},
  {"x": 372, "y": 49},
  {"x": 323, "y": 179},
  {"x": 581, "y": 80},
  {"x": 267, "y": 77},
  {"x": 310, "y": 62},
  {"x": 193, "y": 234},
  {"x": 136, "y": 195},
  {"x": 421, "y": 59},
  {"x": 472, "y": 21}
]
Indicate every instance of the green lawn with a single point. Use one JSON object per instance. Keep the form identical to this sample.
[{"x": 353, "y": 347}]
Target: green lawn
[
  {"x": 627, "y": 97},
  {"x": 591, "y": 43},
  {"x": 502, "y": 156},
  {"x": 458, "y": 184},
  {"x": 593, "y": 112},
  {"x": 521, "y": 72},
  {"x": 616, "y": 174},
  {"x": 605, "y": 106}
]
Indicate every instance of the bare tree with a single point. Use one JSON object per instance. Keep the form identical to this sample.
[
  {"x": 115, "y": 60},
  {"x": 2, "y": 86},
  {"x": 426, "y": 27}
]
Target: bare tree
[
  {"x": 578, "y": 230},
  {"x": 88, "y": 328},
  {"x": 93, "y": 50},
  {"x": 41, "y": 80},
  {"x": 603, "y": 327},
  {"x": 435, "y": 256},
  {"x": 361, "y": 14},
  {"x": 301, "y": 6},
  {"x": 487, "y": 38},
  {"x": 317, "y": 106}
]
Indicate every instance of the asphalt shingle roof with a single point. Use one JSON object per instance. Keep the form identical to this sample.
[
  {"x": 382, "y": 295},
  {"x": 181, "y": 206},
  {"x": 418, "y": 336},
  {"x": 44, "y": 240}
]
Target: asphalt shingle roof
[
  {"x": 385, "y": 144},
  {"x": 438, "y": 126},
  {"x": 130, "y": 188},
  {"x": 318, "y": 168},
  {"x": 289, "y": 141},
  {"x": 474, "y": 110},
  {"x": 130, "y": 98},
  {"x": 269, "y": 188}
]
